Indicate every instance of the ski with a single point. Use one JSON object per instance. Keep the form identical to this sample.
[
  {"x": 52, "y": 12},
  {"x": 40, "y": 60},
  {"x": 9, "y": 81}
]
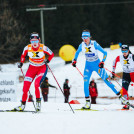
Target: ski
[
  {"x": 18, "y": 111},
  {"x": 119, "y": 110},
  {"x": 85, "y": 109},
  {"x": 104, "y": 110},
  {"x": 124, "y": 109},
  {"x": 131, "y": 105}
]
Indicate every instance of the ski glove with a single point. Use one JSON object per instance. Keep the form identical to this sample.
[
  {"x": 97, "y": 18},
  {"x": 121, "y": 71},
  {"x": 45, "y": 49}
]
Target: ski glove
[
  {"x": 101, "y": 64},
  {"x": 20, "y": 65},
  {"x": 74, "y": 63},
  {"x": 113, "y": 75},
  {"x": 46, "y": 61}
]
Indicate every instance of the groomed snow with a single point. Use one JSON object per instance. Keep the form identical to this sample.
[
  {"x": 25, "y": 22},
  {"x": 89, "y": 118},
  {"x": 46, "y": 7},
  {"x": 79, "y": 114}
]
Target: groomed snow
[{"x": 56, "y": 117}]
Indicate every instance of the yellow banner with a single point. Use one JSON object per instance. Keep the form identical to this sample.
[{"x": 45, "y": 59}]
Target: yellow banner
[{"x": 115, "y": 46}]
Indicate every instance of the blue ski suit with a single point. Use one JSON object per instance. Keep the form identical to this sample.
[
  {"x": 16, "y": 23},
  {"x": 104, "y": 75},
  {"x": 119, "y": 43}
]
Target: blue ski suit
[{"x": 91, "y": 64}]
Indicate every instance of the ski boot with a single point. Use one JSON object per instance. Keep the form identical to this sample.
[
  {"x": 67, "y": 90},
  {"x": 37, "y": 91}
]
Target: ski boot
[
  {"x": 20, "y": 108},
  {"x": 123, "y": 100},
  {"x": 38, "y": 104},
  {"x": 126, "y": 107},
  {"x": 87, "y": 105}
]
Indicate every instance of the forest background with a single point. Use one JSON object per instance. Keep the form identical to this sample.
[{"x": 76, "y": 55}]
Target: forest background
[{"x": 109, "y": 21}]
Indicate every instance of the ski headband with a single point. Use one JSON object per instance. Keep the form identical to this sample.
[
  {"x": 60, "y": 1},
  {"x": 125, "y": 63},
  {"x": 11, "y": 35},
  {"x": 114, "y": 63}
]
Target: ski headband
[
  {"x": 34, "y": 36},
  {"x": 85, "y": 34}
]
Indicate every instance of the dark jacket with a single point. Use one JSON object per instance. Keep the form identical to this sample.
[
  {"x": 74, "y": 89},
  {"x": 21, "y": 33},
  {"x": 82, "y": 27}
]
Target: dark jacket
[
  {"x": 45, "y": 87},
  {"x": 66, "y": 89}
]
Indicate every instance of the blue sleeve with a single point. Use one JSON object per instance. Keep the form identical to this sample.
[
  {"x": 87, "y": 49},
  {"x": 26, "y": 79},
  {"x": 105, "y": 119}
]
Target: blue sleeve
[
  {"x": 98, "y": 47},
  {"x": 78, "y": 51}
]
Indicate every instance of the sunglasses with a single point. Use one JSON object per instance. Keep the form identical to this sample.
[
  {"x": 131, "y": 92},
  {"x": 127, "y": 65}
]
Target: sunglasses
[
  {"x": 124, "y": 51},
  {"x": 34, "y": 41},
  {"x": 85, "y": 37}
]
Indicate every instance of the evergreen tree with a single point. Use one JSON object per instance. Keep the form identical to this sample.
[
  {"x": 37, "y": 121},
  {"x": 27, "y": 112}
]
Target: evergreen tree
[{"x": 11, "y": 36}]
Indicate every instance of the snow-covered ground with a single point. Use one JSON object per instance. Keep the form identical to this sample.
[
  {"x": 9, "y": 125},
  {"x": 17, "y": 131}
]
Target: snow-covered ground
[{"x": 56, "y": 117}]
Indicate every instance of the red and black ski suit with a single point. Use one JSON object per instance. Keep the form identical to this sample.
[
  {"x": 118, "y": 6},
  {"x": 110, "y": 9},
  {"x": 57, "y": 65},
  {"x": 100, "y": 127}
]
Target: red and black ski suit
[
  {"x": 128, "y": 71},
  {"x": 37, "y": 69}
]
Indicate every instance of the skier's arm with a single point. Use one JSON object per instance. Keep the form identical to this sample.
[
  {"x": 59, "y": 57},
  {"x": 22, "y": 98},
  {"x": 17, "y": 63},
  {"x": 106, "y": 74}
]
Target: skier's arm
[
  {"x": 25, "y": 51},
  {"x": 47, "y": 51},
  {"x": 98, "y": 47},
  {"x": 115, "y": 63},
  {"x": 77, "y": 52}
]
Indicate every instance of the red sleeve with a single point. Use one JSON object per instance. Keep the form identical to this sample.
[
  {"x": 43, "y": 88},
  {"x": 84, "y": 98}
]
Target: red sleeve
[
  {"x": 115, "y": 62},
  {"x": 25, "y": 51},
  {"x": 47, "y": 51},
  {"x": 50, "y": 56}
]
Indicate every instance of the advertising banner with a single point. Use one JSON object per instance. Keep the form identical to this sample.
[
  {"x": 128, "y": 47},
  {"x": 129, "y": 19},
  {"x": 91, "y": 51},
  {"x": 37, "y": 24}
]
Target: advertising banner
[{"x": 8, "y": 87}]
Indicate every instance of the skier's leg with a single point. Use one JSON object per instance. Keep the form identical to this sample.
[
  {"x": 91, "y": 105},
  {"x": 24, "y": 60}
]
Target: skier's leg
[
  {"x": 102, "y": 73},
  {"x": 125, "y": 84},
  {"x": 26, "y": 87},
  {"x": 124, "y": 91},
  {"x": 87, "y": 75},
  {"x": 30, "y": 74},
  {"x": 39, "y": 78}
]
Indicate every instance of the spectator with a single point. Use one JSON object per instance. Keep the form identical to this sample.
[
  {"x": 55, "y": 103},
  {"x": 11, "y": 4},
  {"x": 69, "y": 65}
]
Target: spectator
[
  {"x": 66, "y": 90},
  {"x": 45, "y": 89},
  {"x": 93, "y": 91}
]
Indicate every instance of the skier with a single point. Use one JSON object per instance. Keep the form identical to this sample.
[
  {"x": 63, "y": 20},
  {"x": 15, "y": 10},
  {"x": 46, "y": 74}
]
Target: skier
[
  {"x": 45, "y": 88},
  {"x": 37, "y": 69},
  {"x": 93, "y": 63},
  {"x": 127, "y": 62}
]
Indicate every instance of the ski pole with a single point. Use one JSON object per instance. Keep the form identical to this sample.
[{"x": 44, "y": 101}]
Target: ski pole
[
  {"x": 79, "y": 71},
  {"x": 118, "y": 83},
  {"x": 28, "y": 91},
  {"x": 112, "y": 72},
  {"x": 59, "y": 87},
  {"x": 116, "y": 75}
]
